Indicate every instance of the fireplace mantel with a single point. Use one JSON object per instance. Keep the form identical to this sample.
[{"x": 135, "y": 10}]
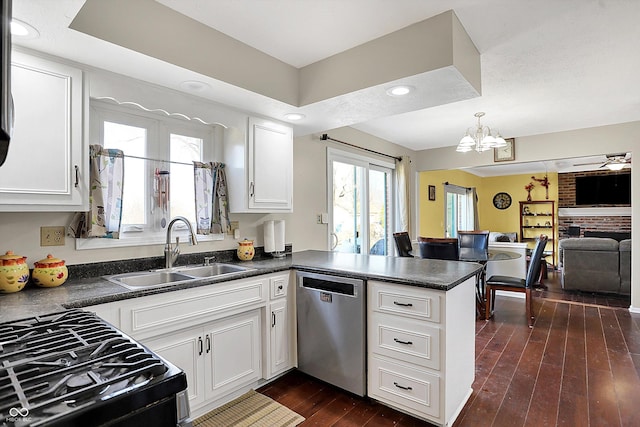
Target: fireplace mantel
[{"x": 612, "y": 211}]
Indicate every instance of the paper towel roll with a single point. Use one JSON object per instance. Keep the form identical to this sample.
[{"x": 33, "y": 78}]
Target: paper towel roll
[
  {"x": 269, "y": 237},
  {"x": 279, "y": 235}
]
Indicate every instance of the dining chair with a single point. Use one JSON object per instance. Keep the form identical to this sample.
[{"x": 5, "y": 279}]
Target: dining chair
[
  {"x": 516, "y": 284},
  {"x": 438, "y": 248},
  {"x": 474, "y": 239},
  {"x": 403, "y": 243}
]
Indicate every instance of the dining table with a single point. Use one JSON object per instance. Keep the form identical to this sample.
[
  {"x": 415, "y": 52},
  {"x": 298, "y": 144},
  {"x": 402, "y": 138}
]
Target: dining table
[{"x": 482, "y": 257}]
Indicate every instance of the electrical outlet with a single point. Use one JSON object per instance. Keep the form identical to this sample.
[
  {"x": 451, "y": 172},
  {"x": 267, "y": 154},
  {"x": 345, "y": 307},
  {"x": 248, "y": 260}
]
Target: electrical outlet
[
  {"x": 319, "y": 219},
  {"x": 52, "y": 236},
  {"x": 234, "y": 225}
]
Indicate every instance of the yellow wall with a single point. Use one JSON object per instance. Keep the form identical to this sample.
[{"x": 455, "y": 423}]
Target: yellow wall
[
  {"x": 506, "y": 220},
  {"x": 432, "y": 212}
]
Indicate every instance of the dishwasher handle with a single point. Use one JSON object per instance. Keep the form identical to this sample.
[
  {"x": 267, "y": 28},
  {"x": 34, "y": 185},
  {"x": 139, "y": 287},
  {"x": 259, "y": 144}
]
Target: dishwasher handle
[{"x": 330, "y": 284}]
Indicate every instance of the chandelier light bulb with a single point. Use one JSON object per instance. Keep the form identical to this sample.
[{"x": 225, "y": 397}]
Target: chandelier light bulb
[{"x": 480, "y": 138}]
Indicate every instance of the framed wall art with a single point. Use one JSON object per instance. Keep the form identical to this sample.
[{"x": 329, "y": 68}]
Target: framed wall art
[
  {"x": 506, "y": 153},
  {"x": 432, "y": 192}
]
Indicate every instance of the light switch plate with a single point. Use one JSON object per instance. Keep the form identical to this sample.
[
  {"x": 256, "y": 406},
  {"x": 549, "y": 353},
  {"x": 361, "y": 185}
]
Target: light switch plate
[{"x": 52, "y": 236}]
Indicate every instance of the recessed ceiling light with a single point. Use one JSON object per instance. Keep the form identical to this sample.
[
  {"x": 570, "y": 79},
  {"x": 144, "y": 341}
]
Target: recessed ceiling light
[
  {"x": 194, "y": 85},
  {"x": 400, "y": 90},
  {"x": 294, "y": 116},
  {"x": 23, "y": 30}
]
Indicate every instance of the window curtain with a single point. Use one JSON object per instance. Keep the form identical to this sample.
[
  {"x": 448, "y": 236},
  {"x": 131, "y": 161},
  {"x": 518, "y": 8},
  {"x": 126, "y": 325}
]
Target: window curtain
[
  {"x": 106, "y": 176},
  {"x": 212, "y": 203},
  {"x": 474, "y": 206},
  {"x": 403, "y": 174}
]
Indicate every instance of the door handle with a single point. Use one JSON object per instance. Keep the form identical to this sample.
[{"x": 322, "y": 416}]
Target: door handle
[
  {"x": 77, "y": 171},
  {"x": 208, "y": 344},
  {"x": 251, "y": 188},
  {"x": 334, "y": 245},
  {"x": 403, "y": 342},
  {"x": 200, "y": 346},
  {"x": 273, "y": 319}
]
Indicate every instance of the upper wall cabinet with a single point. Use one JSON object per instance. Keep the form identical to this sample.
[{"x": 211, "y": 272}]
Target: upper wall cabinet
[
  {"x": 260, "y": 169},
  {"x": 47, "y": 164}
]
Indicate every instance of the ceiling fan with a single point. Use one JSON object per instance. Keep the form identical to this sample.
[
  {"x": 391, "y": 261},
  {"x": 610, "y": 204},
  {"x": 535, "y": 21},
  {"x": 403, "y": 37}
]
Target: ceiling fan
[{"x": 614, "y": 162}]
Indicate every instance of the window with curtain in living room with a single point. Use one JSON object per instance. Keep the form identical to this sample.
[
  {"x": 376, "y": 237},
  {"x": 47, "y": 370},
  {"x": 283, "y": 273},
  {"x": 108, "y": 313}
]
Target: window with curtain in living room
[{"x": 459, "y": 209}]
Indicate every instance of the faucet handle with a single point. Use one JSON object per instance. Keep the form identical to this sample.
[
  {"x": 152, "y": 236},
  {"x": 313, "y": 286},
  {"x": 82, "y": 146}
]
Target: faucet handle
[{"x": 208, "y": 259}]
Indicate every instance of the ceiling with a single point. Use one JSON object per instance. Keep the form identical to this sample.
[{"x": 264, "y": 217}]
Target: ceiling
[{"x": 546, "y": 66}]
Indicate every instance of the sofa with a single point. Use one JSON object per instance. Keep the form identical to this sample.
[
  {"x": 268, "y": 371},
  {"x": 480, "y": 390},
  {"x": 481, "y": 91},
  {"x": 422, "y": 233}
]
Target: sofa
[{"x": 596, "y": 264}]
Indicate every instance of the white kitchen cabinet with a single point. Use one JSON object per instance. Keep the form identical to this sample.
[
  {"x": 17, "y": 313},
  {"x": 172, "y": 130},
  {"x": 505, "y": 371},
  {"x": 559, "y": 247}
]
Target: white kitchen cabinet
[
  {"x": 421, "y": 350},
  {"x": 280, "y": 324},
  {"x": 185, "y": 349},
  {"x": 47, "y": 165},
  {"x": 217, "y": 358},
  {"x": 221, "y": 335},
  {"x": 233, "y": 353},
  {"x": 260, "y": 170}
]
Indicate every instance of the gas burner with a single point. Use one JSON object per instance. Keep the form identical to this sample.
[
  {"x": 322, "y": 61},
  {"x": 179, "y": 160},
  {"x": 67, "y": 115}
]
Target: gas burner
[{"x": 72, "y": 368}]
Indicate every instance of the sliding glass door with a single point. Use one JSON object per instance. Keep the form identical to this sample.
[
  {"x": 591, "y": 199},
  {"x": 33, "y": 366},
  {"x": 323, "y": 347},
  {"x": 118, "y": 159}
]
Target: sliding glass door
[{"x": 360, "y": 204}]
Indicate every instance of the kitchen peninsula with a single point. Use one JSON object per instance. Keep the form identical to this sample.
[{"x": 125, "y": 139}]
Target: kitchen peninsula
[{"x": 431, "y": 301}]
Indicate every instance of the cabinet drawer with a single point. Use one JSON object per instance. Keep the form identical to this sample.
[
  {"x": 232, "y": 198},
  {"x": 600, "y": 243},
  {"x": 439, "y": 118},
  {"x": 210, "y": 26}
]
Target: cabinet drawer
[
  {"x": 405, "y": 339},
  {"x": 410, "y": 389},
  {"x": 405, "y": 300},
  {"x": 278, "y": 286}
]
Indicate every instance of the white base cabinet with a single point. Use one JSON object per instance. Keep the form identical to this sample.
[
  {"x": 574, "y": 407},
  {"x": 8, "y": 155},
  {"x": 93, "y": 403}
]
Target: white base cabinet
[
  {"x": 280, "y": 352},
  {"x": 421, "y": 348},
  {"x": 226, "y": 337},
  {"x": 218, "y": 358}
]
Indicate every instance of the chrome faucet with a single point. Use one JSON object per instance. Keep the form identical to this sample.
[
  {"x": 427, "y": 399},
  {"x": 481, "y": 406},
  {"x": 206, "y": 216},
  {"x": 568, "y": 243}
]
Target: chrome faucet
[{"x": 171, "y": 253}]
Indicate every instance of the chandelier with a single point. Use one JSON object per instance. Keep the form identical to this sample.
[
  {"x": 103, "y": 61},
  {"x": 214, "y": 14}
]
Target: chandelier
[{"x": 480, "y": 138}]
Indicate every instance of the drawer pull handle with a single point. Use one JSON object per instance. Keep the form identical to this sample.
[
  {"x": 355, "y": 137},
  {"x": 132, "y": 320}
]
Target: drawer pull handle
[
  {"x": 402, "y": 304},
  {"x": 199, "y": 346},
  {"x": 402, "y": 387},
  {"x": 403, "y": 342},
  {"x": 208, "y": 344}
]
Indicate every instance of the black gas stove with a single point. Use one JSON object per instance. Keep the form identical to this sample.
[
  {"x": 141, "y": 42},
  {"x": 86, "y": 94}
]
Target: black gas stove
[{"x": 73, "y": 369}]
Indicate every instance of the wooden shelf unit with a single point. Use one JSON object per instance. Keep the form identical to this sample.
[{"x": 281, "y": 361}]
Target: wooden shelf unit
[{"x": 536, "y": 218}]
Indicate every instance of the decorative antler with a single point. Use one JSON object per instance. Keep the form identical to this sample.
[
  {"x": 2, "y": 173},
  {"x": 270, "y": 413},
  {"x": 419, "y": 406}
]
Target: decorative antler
[{"x": 543, "y": 182}]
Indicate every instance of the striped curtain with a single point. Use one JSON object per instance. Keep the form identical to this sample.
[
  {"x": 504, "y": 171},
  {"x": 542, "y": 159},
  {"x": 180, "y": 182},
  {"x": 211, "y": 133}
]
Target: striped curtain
[
  {"x": 212, "y": 202},
  {"x": 106, "y": 176}
]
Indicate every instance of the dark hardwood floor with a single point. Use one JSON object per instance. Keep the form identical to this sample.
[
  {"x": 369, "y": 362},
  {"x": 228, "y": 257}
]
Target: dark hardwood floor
[{"x": 578, "y": 366}]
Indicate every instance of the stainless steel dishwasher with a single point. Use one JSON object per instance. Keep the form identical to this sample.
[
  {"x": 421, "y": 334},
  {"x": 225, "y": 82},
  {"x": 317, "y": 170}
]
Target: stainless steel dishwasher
[{"x": 331, "y": 329}]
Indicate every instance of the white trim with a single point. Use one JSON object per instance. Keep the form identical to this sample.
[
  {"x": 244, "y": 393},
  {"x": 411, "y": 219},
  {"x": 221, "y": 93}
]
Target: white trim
[
  {"x": 157, "y": 239},
  {"x": 633, "y": 309},
  {"x": 613, "y": 211}
]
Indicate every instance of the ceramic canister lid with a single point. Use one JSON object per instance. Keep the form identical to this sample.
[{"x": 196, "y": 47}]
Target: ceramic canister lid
[
  {"x": 9, "y": 258},
  {"x": 49, "y": 262}
]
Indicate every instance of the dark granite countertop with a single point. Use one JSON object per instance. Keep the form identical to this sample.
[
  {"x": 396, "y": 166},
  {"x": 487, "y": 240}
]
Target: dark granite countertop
[{"x": 83, "y": 292}]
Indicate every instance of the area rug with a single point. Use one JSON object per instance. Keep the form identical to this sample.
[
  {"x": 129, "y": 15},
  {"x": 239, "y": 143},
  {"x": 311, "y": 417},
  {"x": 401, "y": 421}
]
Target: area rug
[{"x": 252, "y": 409}]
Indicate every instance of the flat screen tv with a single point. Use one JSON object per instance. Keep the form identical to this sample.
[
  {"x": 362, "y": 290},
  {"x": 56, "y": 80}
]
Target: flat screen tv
[{"x": 612, "y": 189}]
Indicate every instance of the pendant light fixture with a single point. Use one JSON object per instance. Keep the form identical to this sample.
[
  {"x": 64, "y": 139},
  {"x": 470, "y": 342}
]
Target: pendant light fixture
[{"x": 480, "y": 138}]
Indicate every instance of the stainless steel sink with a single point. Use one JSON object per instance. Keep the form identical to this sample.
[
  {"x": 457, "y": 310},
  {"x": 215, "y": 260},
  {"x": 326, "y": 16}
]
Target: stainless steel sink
[
  {"x": 152, "y": 279},
  {"x": 212, "y": 270},
  {"x": 148, "y": 279}
]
